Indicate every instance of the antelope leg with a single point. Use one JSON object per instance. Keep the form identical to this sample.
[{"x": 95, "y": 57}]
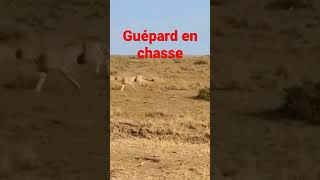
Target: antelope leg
[{"x": 42, "y": 80}]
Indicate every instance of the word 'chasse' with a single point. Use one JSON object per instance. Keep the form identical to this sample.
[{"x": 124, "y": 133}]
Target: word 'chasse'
[{"x": 150, "y": 37}]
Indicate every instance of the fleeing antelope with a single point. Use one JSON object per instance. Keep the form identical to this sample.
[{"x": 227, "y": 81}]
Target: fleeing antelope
[{"x": 65, "y": 58}]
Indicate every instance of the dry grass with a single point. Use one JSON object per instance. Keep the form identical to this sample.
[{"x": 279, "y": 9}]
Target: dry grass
[{"x": 161, "y": 116}]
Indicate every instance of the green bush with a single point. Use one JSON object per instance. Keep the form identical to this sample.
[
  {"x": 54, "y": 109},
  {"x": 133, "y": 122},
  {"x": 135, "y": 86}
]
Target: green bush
[
  {"x": 204, "y": 94},
  {"x": 303, "y": 101}
]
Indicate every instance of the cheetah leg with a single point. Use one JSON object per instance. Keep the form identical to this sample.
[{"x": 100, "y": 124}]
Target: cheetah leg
[
  {"x": 98, "y": 68},
  {"x": 122, "y": 87},
  {"x": 132, "y": 86},
  {"x": 42, "y": 80},
  {"x": 69, "y": 77}
]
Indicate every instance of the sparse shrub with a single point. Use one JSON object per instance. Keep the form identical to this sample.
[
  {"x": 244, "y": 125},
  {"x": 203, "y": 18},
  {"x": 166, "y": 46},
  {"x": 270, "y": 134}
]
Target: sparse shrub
[
  {"x": 200, "y": 61},
  {"x": 186, "y": 68},
  {"x": 133, "y": 57},
  {"x": 177, "y": 60},
  {"x": 155, "y": 114},
  {"x": 204, "y": 94},
  {"x": 303, "y": 101}
]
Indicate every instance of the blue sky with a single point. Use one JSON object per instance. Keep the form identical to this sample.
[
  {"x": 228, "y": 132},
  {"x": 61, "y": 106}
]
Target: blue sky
[{"x": 160, "y": 16}]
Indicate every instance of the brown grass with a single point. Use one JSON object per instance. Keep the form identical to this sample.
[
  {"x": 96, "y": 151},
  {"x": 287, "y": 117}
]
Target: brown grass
[{"x": 161, "y": 116}]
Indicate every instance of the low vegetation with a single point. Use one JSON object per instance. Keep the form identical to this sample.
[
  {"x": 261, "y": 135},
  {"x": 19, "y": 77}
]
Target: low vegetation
[
  {"x": 303, "y": 101},
  {"x": 204, "y": 94},
  {"x": 200, "y": 61}
]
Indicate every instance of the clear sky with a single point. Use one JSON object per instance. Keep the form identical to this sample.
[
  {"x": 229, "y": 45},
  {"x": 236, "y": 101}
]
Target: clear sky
[{"x": 160, "y": 16}]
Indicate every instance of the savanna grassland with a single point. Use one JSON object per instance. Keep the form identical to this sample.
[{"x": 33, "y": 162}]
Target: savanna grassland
[
  {"x": 161, "y": 130},
  {"x": 261, "y": 48},
  {"x": 58, "y": 133}
]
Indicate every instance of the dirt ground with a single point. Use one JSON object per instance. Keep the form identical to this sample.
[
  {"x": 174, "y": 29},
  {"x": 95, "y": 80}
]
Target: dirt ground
[
  {"x": 258, "y": 50},
  {"x": 160, "y": 131},
  {"x": 59, "y": 133}
]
